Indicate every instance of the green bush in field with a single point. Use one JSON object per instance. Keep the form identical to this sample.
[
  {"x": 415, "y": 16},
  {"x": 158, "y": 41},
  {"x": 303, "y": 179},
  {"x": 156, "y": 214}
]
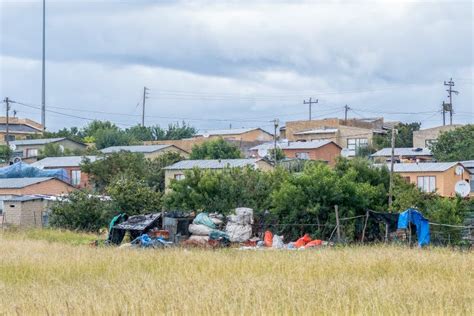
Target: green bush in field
[{"x": 81, "y": 211}]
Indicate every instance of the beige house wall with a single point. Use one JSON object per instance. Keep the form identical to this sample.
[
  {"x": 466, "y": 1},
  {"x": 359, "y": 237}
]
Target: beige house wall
[
  {"x": 421, "y": 138},
  {"x": 445, "y": 181},
  {"x": 173, "y": 149}
]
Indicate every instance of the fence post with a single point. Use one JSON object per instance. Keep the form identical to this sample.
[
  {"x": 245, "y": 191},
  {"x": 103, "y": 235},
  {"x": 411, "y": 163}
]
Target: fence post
[
  {"x": 365, "y": 225},
  {"x": 336, "y": 209},
  {"x": 386, "y": 232}
]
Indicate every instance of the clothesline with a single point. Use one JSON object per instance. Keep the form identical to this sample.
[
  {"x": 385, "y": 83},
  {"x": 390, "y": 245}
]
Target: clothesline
[{"x": 448, "y": 225}]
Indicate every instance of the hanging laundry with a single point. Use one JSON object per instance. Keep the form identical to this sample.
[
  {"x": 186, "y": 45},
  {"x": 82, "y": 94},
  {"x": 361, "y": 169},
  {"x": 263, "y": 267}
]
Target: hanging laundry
[{"x": 413, "y": 216}]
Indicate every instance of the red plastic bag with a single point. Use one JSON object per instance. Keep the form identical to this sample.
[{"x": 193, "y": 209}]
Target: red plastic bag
[
  {"x": 316, "y": 242},
  {"x": 268, "y": 238},
  {"x": 302, "y": 241}
]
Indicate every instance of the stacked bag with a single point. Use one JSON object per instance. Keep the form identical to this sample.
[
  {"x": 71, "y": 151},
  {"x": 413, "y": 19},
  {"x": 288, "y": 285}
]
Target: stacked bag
[
  {"x": 204, "y": 225},
  {"x": 239, "y": 225}
]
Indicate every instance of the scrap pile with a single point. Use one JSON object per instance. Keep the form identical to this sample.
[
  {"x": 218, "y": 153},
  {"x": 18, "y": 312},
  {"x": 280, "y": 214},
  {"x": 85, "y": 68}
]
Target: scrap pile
[
  {"x": 206, "y": 229},
  {"x": 271, "y": 241}
]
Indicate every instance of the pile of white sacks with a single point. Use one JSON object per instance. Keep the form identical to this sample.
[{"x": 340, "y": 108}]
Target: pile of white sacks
[{"x": 239, "y": 225}]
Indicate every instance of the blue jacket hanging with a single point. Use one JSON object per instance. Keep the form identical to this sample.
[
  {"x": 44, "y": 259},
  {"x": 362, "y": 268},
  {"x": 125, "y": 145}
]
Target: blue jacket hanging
[{"x": 411, "y": 215}]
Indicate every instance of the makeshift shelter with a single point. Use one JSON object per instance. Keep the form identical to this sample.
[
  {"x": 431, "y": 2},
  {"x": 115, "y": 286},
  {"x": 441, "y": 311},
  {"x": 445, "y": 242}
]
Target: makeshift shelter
[
  {"x": 23, "y": 170},
  {"x": 414, "y": 217},
  {"x": 136, "y": 225}
]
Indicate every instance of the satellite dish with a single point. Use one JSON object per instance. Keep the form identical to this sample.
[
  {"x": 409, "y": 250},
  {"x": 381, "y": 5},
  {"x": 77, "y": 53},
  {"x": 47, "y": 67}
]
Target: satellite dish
[
  {"x": 16, "y": 159},
  {"x": 462, "y": 188},
  {"x": 262, "y": 152},
  {"x": 12, "y": 146},
  {"x": 206, "y": 135},
  {"x": 459, "y": 170}
]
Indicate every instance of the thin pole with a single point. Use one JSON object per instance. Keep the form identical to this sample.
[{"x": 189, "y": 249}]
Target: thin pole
[
  {"x": 365, "y": 225},
  {"x": 275, "y": 122},
  {"x": 143, "y": 104},
  {"x": 310, "y": 103},
  {"x": 346, "y": 109},
  {"x": 43, "y": 88},
  {"x": 390, "y": 189},
  {"x": 444, "y": 113},
  {"x": 7, "y": 140},
  {"x": 336, "y": 210}
]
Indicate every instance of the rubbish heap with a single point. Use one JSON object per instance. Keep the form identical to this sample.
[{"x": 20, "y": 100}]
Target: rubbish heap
[
  {"x": 206, "y": 229},
  {"x": 239, "y": 225}
]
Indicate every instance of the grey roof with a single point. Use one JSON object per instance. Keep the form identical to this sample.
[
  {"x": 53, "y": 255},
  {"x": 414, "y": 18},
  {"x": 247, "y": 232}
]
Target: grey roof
[
  {"x": 59, "y": 162},
  {"x": 468, "y": 163},
  {"x": 39, "y": 141},
  {"x": 23, "y": 198},
  {"x": 18, "y": 183},
  {"x": 212, "y": 164},
  {"x": 318, "y": 131},
  {"x": 232, "y": 131},
  {"x": 293, "y": 145},
  {"x": 385, "y": 152},
  {"x": 421, "y": 167},
  {"x": 19, "y": 128},
  {"x": 135, "y": 148}
]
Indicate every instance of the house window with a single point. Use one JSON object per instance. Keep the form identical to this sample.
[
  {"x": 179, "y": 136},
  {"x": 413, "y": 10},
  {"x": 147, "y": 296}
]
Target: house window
[
  {"x": 10, "y": 138},
  {"x": 357, "y": 143},
  {"x": 304, "y": 156},
  {"x": 179, "y": 176},
  {"x": 75, "y": 177},
  {"x": 31, "y": 152},
  {"x": 427, "y": 183}
]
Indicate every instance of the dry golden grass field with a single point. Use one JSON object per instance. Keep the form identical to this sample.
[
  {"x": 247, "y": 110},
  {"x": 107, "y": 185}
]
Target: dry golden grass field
[{"x": 53, "y": 274}]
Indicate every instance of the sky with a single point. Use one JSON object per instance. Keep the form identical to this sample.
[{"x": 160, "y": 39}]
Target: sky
[{"x": 221, "y": 64}]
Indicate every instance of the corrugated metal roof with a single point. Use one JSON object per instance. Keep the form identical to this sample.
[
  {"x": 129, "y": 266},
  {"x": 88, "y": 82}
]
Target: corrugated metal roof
[
  {"x": 134, "y": 149},
  {"x": 385, "y": 152},
  {"x": 318, "y": 131},
  {"x": 293, "y": 145},
  {"x": 23, "y": 198},
  {"x": 40, "y": 141},
  {"x": 468, "y": 163},
  {"x": 66, "y": 161},
  {"x": 421, "y": 167},
  {"x": 18, "y": 183},
  {"x": 212, "y": 164},
  {"x": 18, "y": 128},
  {"x": 232, "y": 131}
]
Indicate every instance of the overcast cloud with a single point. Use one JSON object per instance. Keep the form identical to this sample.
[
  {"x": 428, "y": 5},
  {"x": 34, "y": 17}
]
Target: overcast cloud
[{"x": 215, "y": 63}]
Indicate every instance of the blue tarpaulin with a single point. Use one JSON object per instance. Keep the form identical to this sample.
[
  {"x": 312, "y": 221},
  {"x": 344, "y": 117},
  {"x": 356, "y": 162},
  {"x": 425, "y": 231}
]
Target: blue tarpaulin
[
  {"x": 413, "y": 216},
  {"x": 24, "y": 170}
]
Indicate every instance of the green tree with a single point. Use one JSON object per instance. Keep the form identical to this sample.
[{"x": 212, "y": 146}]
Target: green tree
[
  {"x": 155, "y": 175},
  {"x": 111, "y": 137},
  {"x": 5, "y": 153},
  {"x": 280, "y": 154},
  {"x": 81, "y": 211},
  {"x": 403, "y": 138},
  {"x": 179, "y": 131},
  {"x": 103, "y": 171},
  {"x": 215, "y": 149},
  {"x": 455, "y": 145},
  {"x": 133, "y": 196}
]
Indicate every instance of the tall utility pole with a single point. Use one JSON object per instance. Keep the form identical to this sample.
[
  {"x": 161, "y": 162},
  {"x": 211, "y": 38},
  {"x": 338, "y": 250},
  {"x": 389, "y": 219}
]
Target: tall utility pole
[
  {"x": 392, "y": 158},
  {"x": 346, "y": 109},
  {"x": 445, "y": 108},
  {"x": 7, "y": 134},
  {"x": 276, "y": 122},
  {"x": 43, "y": 88},
  {"x": 310, "y": 103},
  {"x": 145, "y": 96},
  {"x": 450, "y": 90}
]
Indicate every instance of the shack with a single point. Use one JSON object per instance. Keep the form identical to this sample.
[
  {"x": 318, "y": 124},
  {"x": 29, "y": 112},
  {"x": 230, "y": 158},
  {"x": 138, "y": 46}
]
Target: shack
[{"x": 26, "y": 211}]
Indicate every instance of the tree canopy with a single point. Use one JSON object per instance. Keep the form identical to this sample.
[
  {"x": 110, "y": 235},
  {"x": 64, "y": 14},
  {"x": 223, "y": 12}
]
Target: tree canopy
[
  {"x": 403, "y": 138},
  {"x": 455, "y": 145},
  {"x": 215, "y": 149}
]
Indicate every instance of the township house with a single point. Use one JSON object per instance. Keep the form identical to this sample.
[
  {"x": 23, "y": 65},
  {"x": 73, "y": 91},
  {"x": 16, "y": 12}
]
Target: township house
[
  {"x": 72, "y": 166},
  {"x": 176, "y": 171},
  {"x": 244, "y": 138},
  {"x": 403, "y": 155},
  {"x": 426, "y": 137},
  {"x": 149, "y": 151},
  {"x": 18, "y": 129},
  {"x": 29, "y": 149},
  {"x": 440, "y": 177},
  {"x": 322, "y": 150},
  {"x": 351, "y": 134}
]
